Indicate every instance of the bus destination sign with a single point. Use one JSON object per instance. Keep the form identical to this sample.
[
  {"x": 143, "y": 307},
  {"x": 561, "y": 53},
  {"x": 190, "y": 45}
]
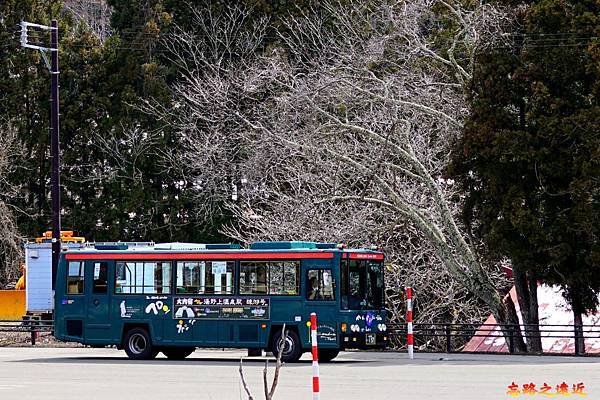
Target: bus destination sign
[{"x": 220, "y": 308}]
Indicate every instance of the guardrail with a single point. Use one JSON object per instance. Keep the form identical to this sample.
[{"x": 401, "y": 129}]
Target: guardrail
[
  {"x": 32, "y": 325},
  {"x": 450, "y": 333}
]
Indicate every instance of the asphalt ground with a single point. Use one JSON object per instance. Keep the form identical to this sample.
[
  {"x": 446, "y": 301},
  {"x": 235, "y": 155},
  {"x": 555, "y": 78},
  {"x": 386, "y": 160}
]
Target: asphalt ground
[{"x": 84, "y": 373}]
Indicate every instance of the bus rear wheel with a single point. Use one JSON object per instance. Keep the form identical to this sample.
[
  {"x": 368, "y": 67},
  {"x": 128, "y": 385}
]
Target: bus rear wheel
[
  {"x": 292, "y": 350},
  {"x": 138, "y": 345},
  {"x": 177, "y": 353},
  {"x": 326, "y": 355}
]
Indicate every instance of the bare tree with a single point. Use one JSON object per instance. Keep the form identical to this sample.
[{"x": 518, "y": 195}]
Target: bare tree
[
  {"x": 269, "y": 391},
  {"x": 11, "y": 241},
  {"x": 123, "y": 151},
  {"x": 343, "y": 132},
  {"x": 206, "y": 57},
  {"x": 94, "y": 13}
]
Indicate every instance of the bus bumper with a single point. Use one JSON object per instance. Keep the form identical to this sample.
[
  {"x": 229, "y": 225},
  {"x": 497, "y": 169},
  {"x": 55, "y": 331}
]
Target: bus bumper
[{"x": 364, "y": 341}]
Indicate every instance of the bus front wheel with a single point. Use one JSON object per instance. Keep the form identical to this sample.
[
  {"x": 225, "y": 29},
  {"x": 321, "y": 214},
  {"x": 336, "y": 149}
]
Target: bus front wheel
[
  {"x": 178, "y": 353},
  {"x": 138, "y": 345},
  {"x": 292, "y": 350}
]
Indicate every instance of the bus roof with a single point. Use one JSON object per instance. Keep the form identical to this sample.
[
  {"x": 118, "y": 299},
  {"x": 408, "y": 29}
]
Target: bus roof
[{"x": 135, "y": 250}]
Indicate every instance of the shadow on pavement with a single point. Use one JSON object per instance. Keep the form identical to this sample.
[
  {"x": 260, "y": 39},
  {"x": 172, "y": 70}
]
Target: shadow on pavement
[
  {"x": 398, "y": 358},
  {"x": 213, "y": 361},
  {"x": 362, "y": 359}
]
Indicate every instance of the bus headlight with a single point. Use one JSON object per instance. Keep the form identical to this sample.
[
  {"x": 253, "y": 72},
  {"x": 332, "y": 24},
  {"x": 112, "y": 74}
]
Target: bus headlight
[{"x": 382, "y": 327}]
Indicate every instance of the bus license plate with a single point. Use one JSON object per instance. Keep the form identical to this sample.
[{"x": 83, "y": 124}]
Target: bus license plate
[{"x": 371, "y": 339}]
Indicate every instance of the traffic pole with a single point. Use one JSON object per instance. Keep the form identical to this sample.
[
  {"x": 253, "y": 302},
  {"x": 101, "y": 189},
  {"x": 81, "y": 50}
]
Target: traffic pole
[
  {"x": 315, "y": 355},
  {"x": 409, "y": 323}
]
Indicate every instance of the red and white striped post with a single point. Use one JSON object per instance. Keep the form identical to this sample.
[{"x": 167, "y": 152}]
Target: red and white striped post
[
  {"x": 409, "y": 322},
  {"x": 315, "y": 355}
]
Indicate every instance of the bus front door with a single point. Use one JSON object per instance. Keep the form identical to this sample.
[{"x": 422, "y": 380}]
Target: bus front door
[
  {"x": 98, "y": 301},
  {"x": 321, "y": 300}
]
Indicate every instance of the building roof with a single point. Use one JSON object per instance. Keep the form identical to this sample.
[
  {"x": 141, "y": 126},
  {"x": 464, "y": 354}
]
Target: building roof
[{"x": 553, "y": 310}]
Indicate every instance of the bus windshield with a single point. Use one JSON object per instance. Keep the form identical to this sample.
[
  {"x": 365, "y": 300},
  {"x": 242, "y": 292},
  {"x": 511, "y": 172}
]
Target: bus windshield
[{"x": 362, "y": 285}]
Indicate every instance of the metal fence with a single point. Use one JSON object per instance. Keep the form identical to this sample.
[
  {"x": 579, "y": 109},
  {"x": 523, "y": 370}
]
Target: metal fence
[
  {"x": 450, "y": 337},
  {"x": 431, "y": 337},
  {"x": 31, "y": 325}
]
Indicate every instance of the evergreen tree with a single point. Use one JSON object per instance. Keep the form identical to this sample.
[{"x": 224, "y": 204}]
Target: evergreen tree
[
  {"x": 147, "y": 199},
  {"x": 140, "y": 69},
  {"x": 108, "y": 193},
  {"x": 24, "y": 100},
  {"x": 25, "y": 92},
  {"x": 117, "y": 183},
  {"x": 530, "y": 156}
]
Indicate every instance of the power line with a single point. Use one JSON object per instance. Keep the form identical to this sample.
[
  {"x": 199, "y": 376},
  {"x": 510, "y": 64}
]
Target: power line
[
  {"x": 549, "y": 34},
  {"x": 529, "y": 43},
  {"x": 136, "y": 38}
]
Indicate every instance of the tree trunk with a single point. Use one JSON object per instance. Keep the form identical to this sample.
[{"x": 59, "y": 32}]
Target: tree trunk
[
  {"x": 508, "y": 315},
  {"x": 578, "y": 325},
  {"x": 534, "y": 338},
  {"x": 526, "y": 288}
]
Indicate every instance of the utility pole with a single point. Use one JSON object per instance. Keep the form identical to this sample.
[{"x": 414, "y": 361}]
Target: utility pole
[
  {"x": 54, "y": 129},
  {"x": 55, "y": 150}
]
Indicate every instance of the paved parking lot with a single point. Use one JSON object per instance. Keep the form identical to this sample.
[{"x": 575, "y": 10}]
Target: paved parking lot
[{"x": 82, "y": 373}]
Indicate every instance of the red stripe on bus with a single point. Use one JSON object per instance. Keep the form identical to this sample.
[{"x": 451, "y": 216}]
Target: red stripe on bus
[
  {"x": 367, "y": 256},
  {"x": 196, "y": 256}
]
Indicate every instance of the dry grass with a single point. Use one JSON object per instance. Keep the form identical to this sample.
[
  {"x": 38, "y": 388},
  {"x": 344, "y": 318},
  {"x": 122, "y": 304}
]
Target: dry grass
[{"x": 23, "y": 339}]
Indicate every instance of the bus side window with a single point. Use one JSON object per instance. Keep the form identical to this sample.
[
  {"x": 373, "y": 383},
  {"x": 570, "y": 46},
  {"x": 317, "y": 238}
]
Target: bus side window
[
  {"x": 219, "y": 277},
  {"x": 266, "y": 277},
  {"x": 100, "y": 278},
  {"x": 253, "y": 278},
  {"x": 284, "y": 278},
  {"x": 344, "y": 284},
  {"x": 320, "y": 285},
  {"x": 356, "y": 285},
  {"x": 205, "y": 277},
  {"x": 136, "y": 277},
  {"x": 121, "y": 276},
  {"x": 75, "y": 277},
  {"x": 190, "y": 276}
]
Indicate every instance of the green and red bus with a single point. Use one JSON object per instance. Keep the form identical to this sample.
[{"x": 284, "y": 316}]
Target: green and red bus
[{"x": 176, "y": 297}]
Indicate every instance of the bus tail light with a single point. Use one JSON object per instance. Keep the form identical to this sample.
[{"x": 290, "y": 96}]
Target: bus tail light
[
  {"x": 264, "y": 326},
  {"x": 344, "y": 327}
]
